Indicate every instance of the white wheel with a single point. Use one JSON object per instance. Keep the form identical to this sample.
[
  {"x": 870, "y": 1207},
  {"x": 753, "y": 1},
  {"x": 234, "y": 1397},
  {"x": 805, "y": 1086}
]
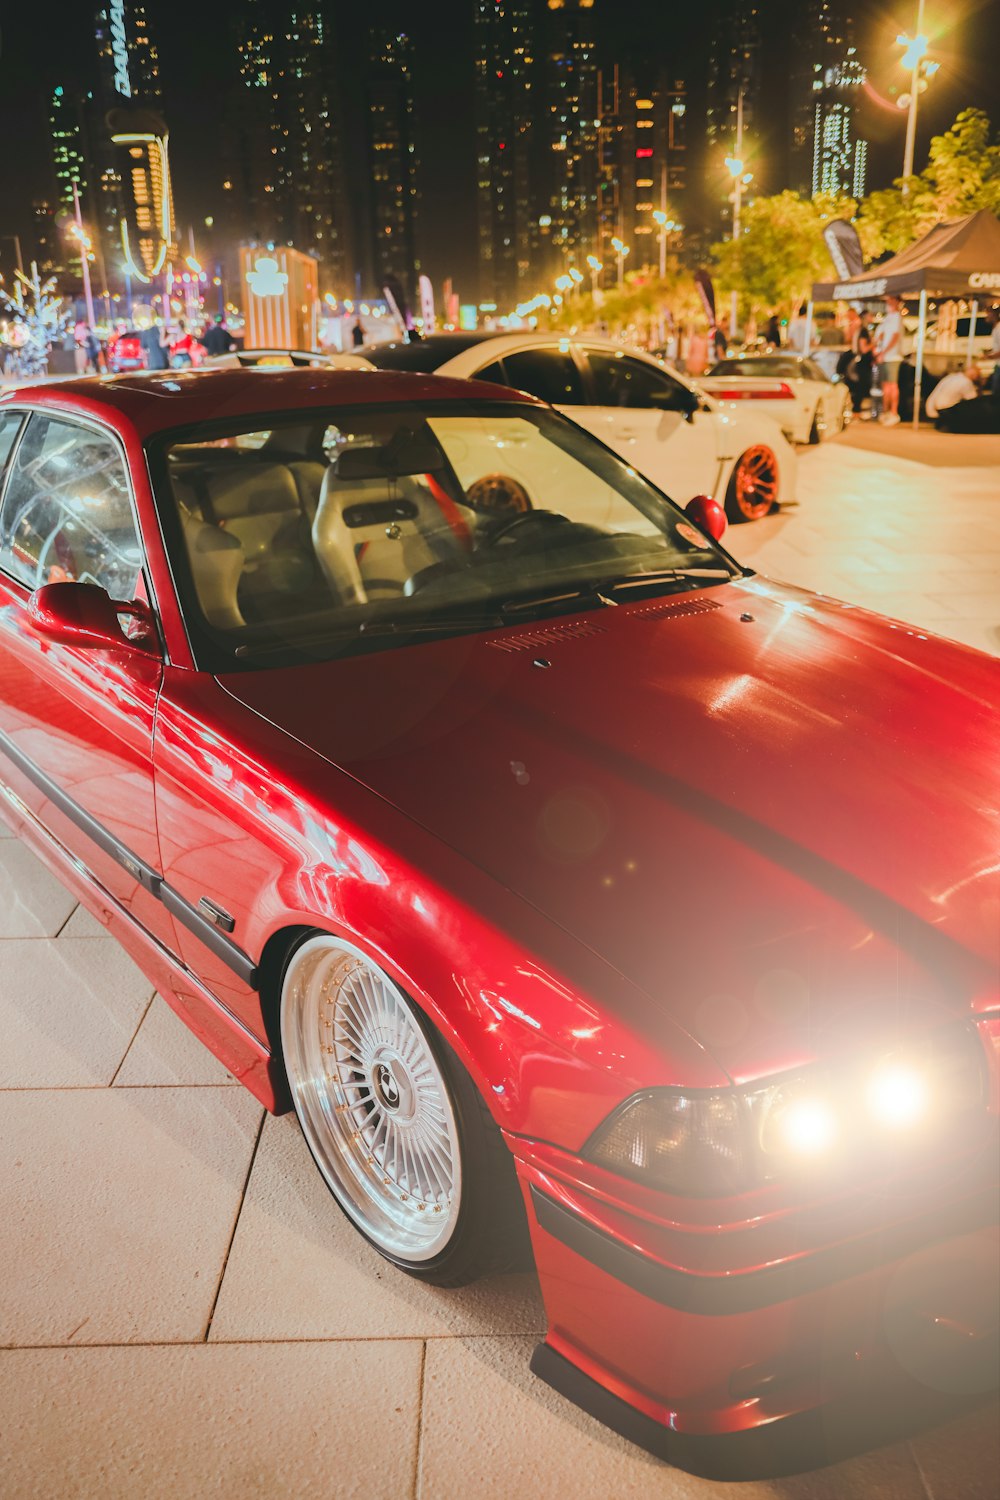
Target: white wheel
[
  {"x": 394, "y": 1122},
  {"x": 372, "y": 1100}
]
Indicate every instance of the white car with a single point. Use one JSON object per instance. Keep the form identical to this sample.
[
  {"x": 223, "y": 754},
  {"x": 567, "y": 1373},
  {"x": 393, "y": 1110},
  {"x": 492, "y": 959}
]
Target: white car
[
  {"x": 659, "y": 421},
  {"x": 800, "y": 396}
]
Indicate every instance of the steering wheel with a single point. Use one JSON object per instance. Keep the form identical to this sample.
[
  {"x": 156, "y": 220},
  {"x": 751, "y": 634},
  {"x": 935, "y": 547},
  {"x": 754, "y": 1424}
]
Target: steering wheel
[
  {"x": 532, "y": 518},
  {"x": 498, "y": 492}
]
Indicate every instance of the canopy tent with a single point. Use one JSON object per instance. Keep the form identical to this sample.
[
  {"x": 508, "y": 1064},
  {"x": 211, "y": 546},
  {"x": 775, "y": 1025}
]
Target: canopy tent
[{"x": 956, "y": 259}]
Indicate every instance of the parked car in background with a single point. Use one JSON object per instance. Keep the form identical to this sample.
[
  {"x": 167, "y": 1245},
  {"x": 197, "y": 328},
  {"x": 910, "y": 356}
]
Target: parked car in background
[
  {"x": 125, "y": 352},
  {"x": 577, "y": 887},
  {"x": 657, "y": 419},
  {"x": 799, "y": 395}
]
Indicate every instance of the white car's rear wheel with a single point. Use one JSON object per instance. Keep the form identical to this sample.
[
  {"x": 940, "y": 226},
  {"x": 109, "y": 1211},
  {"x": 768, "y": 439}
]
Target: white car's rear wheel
[{"x": 393, "y": 1121}]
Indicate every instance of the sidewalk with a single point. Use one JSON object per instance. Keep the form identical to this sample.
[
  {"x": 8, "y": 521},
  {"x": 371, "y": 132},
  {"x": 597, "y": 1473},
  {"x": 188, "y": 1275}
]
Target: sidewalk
[{"x": 942, "y": 450}]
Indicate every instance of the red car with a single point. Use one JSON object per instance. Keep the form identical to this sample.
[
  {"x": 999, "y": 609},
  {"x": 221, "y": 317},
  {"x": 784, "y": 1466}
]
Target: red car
[
  {"x": 125, "y": 352},
  {"x": 461, "y": 792}
]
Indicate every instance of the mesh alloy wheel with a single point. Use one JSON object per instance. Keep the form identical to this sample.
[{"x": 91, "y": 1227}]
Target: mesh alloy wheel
[
  {"x": 373, "y": 1101},
  {"x": 753, "y": 488}
]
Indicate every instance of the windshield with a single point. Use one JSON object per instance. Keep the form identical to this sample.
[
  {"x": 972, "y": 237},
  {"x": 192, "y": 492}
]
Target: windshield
[{"x": 330, "y": 533}]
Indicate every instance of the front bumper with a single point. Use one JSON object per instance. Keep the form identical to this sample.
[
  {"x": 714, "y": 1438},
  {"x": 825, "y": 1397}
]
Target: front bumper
[{"x": 756, "y": 1368}]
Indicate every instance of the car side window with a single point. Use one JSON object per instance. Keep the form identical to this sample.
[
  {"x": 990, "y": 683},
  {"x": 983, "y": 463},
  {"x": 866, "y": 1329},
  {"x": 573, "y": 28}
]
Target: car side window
[
  {"x": 66, "y": 513},
  {"x": 620, "y": 381},
  {"x": 549, "y": 374},
  {"x": 493, "y": 373},
  {"x": 10, "y": 426}
]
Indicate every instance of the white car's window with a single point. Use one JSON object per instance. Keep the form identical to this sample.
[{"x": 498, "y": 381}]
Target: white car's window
[
  {"x": 621, "y": 381},
  {"x": 549, "y": 374},
  {"x": 67, "y": 515}
]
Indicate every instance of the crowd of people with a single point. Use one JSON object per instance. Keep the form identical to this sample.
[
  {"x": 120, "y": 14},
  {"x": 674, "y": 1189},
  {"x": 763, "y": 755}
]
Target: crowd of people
[{"x": 164, "y": 346}]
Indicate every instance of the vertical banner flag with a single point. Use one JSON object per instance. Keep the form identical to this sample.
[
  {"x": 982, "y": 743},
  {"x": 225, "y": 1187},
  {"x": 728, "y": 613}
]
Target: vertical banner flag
[
  {"x": 845, "y": 248},
  {"x": 706, "y": 291},
  {"x": 427, "y": 303}
]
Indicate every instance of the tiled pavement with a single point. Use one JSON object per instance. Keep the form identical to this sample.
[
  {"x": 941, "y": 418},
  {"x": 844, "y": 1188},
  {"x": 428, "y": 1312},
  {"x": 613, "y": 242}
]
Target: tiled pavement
[{"x": 184, "y": 1313}]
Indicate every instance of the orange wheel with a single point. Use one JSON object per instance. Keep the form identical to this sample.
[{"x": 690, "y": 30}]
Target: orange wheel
[{"x": 753, "y": 488}]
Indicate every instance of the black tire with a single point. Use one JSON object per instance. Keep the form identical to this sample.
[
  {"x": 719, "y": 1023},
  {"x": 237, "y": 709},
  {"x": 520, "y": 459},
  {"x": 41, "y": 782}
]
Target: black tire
[
  {"x": 490, "y": 1230},
  {"x": 815, "y": 436}
]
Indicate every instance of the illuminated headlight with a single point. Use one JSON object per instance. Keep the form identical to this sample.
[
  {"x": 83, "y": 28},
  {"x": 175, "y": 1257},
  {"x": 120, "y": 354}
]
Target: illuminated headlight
[{"x": 708, "y": 1145}]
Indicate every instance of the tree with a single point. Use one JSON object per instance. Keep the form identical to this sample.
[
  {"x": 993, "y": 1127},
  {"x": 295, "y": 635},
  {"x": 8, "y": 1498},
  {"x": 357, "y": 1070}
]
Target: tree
[
  {"x": 962, "y": 174},
  {"x": 781, "y": 251},
  {"x": 41, "y": 316}
]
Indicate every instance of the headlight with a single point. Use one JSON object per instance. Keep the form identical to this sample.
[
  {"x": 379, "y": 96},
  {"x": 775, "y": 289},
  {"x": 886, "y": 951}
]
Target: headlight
[{"x": 710, "y": 1145}]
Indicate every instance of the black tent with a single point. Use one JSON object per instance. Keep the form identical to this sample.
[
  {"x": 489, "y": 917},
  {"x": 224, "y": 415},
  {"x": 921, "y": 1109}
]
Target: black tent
[{"x": 956, "y": 259}]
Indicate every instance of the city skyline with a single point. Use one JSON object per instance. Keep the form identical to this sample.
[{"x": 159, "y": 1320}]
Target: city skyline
[{"x": 441, "y": 205}]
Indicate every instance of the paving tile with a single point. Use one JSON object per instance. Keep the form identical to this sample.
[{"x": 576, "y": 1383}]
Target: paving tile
[
  {"x": 118, "y": 1208},
  {"x": 298, "y": 1269},
  {"x": 69, "y": 1007},
  {"x": 490, "y": 1426},
  {"x": 32, "y": 901},
  {"x": 320, "y": 1422},
  {"x": 83, "y": 924},
  {"x": 961, "y": 1461},
  {"x": 165, "y": 1051},
  {"x": 6, "y": 832}
]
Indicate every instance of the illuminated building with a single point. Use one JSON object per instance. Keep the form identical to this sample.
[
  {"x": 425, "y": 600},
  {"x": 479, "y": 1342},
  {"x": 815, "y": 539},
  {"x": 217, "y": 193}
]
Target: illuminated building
[
  {"x": 566, "y": 227},
  {"x": 284, "y": 174},
  {"x": 826, "y": 82},
  {"x": 734, "y": 67},
  {"x": 134, "y": 191},
  {"x": 642, "y": 159},
  {"x": 505, "y": 97},
  {"x": 391, "y": 178}
]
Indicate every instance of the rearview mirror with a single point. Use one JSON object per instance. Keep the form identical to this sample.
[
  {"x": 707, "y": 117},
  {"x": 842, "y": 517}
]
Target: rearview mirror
[
  {"x": 707, "y": 515},
  {"x": 83, "y": 614},
  {"x": 405, "y": 454}
]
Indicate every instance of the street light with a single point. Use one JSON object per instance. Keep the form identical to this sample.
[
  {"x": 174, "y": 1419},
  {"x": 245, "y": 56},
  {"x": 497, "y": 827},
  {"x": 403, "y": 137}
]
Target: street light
[
  {"x": 666, "y": 225},
  {"x": 78, "y": 232},
  {"x": 596, "y": 267},
  {"x": 741, "y": 179},
  {"x": 621, "y": 251},
  {"x": 914, "y": 59}
]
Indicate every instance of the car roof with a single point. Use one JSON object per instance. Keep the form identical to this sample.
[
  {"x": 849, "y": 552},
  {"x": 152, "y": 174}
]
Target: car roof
[
  {"x": 425, "y": 354},
  {"x": 159, "y": 400}
]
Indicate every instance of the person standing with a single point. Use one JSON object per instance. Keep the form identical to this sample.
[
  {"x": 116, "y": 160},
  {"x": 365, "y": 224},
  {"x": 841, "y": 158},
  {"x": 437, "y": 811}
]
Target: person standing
[
  {"x": 889, "y": 354},
  {"x": 357, "y": 334},
  {"x": 217, "y": 339},
  {"x": 154, "y": 345},
  {"x": 772, "y": 333},
  {"x": 860, "y": 370},
  {"x": 798, "y": 331}
]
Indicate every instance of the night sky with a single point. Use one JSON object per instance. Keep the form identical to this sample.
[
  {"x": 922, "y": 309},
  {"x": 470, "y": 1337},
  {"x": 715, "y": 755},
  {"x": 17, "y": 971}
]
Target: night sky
[{"x": 51, "y": 43}]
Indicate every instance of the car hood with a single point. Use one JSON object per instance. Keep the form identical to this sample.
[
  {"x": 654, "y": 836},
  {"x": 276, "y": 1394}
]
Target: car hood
[{"x": 775, "y": 814}]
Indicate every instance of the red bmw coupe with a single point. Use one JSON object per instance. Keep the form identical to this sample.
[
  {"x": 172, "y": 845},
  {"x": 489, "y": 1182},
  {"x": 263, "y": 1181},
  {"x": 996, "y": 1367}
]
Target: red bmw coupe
[{"x": 461, "y": 792}]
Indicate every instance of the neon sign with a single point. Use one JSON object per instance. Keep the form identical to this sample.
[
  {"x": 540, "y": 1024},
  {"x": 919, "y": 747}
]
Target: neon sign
[{"x": 119, "y": 47}]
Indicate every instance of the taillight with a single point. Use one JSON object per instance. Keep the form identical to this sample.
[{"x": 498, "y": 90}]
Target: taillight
[{"x": 781, "y": 392}]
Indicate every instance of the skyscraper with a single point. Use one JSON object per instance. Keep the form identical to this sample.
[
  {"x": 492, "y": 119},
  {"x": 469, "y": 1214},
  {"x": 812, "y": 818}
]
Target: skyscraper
[
  {"x": 135, "y": 195},
  {"x": 734, "y": 68},
  {"x": 568, "y": 125},
  {"x": 826, "y": 154},
  {"x": 642, "y": 159},
  {"x": 504, "y": 33},
  {"x": 392, "y": 188}
]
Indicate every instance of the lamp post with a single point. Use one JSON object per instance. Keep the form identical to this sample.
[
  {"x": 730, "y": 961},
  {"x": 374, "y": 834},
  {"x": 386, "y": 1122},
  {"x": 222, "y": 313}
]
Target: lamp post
[
  {"x": 740, "y": 178},
  {"x": 78, "y": 232},
  {"x": 621, "y": 250},
  {"x": 915, "y": 59},
  {"x": 596, "y": 267},
  {"x": 666, "y": 226}
]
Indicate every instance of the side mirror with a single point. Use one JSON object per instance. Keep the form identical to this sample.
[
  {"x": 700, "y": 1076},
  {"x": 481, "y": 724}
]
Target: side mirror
[
  {"x": 707, "y": 515},
  {"x": 83, "y": 614}
]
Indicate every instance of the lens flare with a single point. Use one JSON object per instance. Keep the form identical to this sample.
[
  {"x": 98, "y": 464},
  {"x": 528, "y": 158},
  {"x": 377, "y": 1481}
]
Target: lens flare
[
  {"x": 807, "y": 1127},
  {"x": 897, "y": 1095}
]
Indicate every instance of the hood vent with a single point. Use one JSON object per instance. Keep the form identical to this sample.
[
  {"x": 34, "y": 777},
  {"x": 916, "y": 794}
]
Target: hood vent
[
  {"x": 676, "y": 607},
  {"x": 548, "y": 635}
]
